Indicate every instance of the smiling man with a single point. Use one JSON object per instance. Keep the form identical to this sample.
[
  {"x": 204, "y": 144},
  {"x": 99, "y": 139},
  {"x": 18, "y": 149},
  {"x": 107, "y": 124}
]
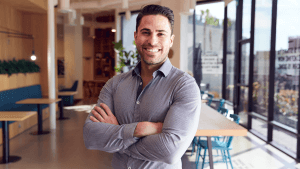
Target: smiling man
[{"x": 148, "y": 116}]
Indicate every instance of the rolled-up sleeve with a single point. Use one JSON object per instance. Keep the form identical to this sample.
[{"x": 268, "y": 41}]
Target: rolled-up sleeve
[
  {"x": 179, "y": 128},
  {"x": 108, "y": 137}
]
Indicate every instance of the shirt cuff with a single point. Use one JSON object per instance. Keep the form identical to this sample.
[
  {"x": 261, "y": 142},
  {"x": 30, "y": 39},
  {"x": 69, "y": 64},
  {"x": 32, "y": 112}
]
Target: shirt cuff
[{"x": 129, "y": 139}]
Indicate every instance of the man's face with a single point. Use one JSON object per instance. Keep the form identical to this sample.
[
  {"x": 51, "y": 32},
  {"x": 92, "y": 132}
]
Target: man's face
[{"x": 153, "y": 39}]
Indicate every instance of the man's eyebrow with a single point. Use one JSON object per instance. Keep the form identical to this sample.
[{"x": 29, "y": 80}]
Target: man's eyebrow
[{"x": 145, "y": 29}]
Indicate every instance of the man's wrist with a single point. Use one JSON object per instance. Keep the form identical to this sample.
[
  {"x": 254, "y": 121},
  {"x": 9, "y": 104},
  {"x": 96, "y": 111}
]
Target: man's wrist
[{"x": 146, "y": 128}]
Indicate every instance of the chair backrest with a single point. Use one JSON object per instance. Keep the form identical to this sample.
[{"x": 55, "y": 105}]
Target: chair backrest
[
  {"x": 74, "y": 87},
  {"x": 223, "y": 111},
  {"x": 210, "y": 98},
  {"x": 221, "y": 104},
  {"x": 236, "y": 119}
]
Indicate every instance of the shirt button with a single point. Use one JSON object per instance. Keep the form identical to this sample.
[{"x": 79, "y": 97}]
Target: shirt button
[
  {"x": 141, "y": 83},
  {"x": 138, "y": 102}
]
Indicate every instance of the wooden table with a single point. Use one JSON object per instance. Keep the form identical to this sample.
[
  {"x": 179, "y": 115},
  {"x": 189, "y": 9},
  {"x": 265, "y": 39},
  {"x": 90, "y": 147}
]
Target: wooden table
[
  {"x": 39, "y": 102},
  {"x": 212, "y": 123},
  {"x": 6, "y": 116},
  {"x": 61, "y": 111}
]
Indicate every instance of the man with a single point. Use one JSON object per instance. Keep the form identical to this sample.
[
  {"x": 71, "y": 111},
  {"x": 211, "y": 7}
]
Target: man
[{"x": 149, "y": 115}]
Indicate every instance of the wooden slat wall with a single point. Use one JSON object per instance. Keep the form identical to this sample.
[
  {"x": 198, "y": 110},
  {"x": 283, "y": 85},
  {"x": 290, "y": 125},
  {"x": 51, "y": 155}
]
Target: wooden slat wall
[{"x": 14, "y": 20}]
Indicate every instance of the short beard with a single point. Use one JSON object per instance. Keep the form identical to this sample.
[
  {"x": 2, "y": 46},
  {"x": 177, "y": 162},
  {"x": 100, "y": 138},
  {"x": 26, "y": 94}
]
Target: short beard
[{"x": 149, "y": 63}]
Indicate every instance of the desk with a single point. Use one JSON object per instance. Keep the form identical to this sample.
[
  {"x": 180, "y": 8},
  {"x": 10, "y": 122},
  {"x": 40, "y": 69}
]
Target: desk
[
  {"x": 61, "y": 111},
  {"x": 6, "y": 116},
  {"x": 39, "y": 102},
  {"x": 212, "y": 123}
]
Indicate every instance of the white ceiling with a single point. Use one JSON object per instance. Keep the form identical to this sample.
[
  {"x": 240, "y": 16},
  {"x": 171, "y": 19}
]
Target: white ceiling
[{"x": 95, "y": 6}]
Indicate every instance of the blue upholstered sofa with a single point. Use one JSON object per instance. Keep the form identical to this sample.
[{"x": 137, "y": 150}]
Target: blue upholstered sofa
[{"x": 8, "y": 99}]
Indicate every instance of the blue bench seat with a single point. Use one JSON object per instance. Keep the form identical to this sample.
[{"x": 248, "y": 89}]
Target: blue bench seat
[{"x": 8, "y": 99}]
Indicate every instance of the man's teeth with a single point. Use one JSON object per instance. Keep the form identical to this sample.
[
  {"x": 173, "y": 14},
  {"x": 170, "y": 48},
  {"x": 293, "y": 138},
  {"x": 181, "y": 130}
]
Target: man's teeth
[{"x": 152, "y": 50}]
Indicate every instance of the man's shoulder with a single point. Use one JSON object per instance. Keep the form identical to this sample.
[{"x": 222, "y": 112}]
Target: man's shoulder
[{"x": 180, "y": 75}]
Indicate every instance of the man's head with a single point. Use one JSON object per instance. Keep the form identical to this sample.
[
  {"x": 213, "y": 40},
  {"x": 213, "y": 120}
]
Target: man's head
[
  {"x": 154, "y": 34},
  {"x": 156, "y": 10}
]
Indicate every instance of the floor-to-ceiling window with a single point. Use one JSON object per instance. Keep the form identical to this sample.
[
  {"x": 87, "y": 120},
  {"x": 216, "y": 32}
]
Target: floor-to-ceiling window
[
  {"x": 209, "y": 45},
  {"x": 287, "y": 66}
]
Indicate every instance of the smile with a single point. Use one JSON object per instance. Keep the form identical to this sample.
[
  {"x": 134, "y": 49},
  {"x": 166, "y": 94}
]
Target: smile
[{"x": 153, "y": 50}]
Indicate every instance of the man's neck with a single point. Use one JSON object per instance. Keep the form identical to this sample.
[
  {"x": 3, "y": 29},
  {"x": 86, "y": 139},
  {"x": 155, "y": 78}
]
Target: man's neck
[{"x": 147, "y": 70}]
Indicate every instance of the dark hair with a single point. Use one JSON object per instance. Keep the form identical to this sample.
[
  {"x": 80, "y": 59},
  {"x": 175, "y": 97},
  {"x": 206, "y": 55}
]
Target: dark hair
[{"x": 156, "y": 10}]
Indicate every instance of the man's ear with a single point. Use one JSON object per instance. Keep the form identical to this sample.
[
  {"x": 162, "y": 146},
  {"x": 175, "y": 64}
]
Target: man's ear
[
  {"x": 135, "y": 34},
  {"x": 172, "y": 39}
]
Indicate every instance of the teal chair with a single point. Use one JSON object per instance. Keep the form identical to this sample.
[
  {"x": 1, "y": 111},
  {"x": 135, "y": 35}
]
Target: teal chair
[
  {"x": 224, "y": 145},
  {"x": 221, "y": 104},
  {"x": 223, "y": 111},
  {"x": 210, "y": 98}
]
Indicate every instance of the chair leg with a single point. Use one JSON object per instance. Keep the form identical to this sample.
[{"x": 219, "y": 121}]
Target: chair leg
[
  {"x": 229, "y": 157},
  {"x": 203, "y": 162},
  {"x": 225, "y": 158},
  {"x": 198, "y": 154},
  {"x": 194, "y": 142}
]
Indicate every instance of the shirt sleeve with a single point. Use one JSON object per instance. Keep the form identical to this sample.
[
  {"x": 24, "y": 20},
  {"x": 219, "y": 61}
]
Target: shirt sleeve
[
  {"x": 108, "y": 137},
  {"x": 179, "y": 128}
]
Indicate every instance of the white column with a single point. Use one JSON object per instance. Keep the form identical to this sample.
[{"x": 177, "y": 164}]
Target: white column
[{"x": 51, "y": 63}]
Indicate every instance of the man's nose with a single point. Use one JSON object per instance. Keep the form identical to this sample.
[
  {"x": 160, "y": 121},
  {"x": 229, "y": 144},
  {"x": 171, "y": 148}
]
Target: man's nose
[{"x": 153, "y": 40}]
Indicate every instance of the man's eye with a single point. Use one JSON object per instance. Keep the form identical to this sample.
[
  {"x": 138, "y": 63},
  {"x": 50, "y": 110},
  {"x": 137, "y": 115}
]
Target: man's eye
[
  {"x": 146, "y": 33},
  {"x": 161, "y": 34}
]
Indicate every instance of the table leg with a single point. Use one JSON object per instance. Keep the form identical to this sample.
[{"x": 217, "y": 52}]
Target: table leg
[
  {"x": 40, "y": 122},
  {"x": 5, "y": 136},
  {"x": 211, "y": 162},
  {"x": 61, "y": 110}
]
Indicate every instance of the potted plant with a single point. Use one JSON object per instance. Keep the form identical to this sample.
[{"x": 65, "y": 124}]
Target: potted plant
[
  {"x": 127, "y": 60},
  {"x": 19, "y": 73}
]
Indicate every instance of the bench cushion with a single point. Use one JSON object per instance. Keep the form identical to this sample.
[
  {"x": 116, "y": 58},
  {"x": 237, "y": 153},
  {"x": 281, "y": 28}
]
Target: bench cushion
[{"x": 8, "y": 98}]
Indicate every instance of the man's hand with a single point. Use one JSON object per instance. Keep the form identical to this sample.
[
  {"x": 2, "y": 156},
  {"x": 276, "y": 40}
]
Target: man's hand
[
  {"x": 146, "y": 128},
  {"x": 104, "y": 116}
]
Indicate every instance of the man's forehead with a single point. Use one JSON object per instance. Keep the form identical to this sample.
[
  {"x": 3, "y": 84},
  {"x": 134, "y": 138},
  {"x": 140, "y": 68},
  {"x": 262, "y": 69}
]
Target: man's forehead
[{"x": 159, "y": 21}]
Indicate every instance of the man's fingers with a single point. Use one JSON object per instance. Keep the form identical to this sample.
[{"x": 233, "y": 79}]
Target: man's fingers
[
  {"x": 94, "y": 119},
  {"x": 97, "y": 115},
  {"x": 106, "y": 108},
  {"x": 100, "y": 111}
]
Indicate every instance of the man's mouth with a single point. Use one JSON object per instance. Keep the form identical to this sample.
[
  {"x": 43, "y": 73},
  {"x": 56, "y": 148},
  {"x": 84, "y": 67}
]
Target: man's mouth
[{"x": 153, "y": 50}]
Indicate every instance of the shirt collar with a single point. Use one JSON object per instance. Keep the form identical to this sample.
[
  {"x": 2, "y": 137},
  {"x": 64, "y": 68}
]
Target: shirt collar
[{"x": 164, "y": 69}]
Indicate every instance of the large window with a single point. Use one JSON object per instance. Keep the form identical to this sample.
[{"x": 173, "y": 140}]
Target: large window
[
  {"x": 231, "y": 25},
  {"x": 261, "y": 70},
  {"x": 287, "y": 66},
  {"x": 209, "y": 45}
]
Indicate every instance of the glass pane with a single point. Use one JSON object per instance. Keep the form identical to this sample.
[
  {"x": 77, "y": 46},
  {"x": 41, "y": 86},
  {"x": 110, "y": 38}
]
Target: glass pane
[
  {"x": 246, "y": 19},
  {"x": 245, "y": 58},
  {"x": 285, "y": 139},
  {"x": 231, "y": 19},
  {"x": 262, "y": 38},
  {"x": 260, "y": 126},
  {"x": 209, "y": 44},
  {"x": 287, "y": 63},
  {"x": 243, "y": 106},
  {"x": 128, "y": 28}
]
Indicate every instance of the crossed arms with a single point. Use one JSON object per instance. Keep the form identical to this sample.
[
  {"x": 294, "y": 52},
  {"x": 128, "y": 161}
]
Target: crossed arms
[{"x": 165, "y": 142}]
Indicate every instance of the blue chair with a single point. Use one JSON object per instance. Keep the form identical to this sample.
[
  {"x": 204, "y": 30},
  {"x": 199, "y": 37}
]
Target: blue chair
[
  {"x": 223, "y": 111},
  {"x": 68, "y": 100},
  {"x": 221, "y": 104},
  {"x": 72, "y": 89},
  {"x": 224, "y": 146},
  {"x": 210, "y": 98}
]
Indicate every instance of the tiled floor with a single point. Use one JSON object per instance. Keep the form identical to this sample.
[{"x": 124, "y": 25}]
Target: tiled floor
[{"x": 64, "y": 148}]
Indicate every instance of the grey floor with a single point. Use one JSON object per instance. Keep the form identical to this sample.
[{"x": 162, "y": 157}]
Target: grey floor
[{"x": 64, "y": 148}]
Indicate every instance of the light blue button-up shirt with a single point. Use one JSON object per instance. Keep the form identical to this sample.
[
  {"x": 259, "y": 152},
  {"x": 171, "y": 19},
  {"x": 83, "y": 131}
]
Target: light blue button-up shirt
[{"x": 171, "y": 97}]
